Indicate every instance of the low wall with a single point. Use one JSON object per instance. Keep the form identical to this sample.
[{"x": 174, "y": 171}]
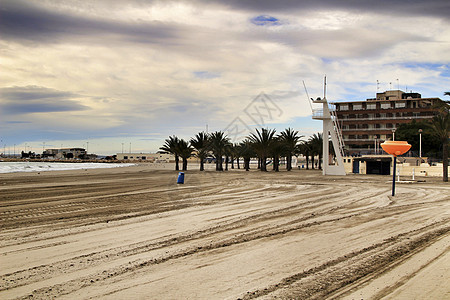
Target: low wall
[{"x": 422, "y": 170}]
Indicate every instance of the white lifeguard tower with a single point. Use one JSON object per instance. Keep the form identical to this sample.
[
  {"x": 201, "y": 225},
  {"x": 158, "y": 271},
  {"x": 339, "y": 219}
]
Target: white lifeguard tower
[{"x": 331, "y": 131}]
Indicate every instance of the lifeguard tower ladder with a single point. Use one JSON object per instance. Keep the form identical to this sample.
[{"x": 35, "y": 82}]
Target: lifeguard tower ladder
[{"x": 331, "y": 131}]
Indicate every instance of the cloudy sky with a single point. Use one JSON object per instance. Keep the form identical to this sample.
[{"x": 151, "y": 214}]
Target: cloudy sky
[{"x": 110, "y": 75}]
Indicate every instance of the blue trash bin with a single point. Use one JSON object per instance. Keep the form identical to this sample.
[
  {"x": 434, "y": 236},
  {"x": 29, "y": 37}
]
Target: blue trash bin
[{"x": 180, "y": 179}]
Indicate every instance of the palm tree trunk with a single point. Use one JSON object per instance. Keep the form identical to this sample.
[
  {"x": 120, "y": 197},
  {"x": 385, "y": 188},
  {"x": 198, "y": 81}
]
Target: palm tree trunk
[
  {"x": 312, "y": 162},
  {"x": 220, "y": 163},
  {"x": 226, "y": 162},
  {"x": 177, "y": 160},
  {"x": 307, "y": 162},
  {"x": 185, "y": 162},
  {"x": 232, "y": 162},
  {"x": 237, "y": 162},
  {"x": 263, "y": 164},
  {"x": 320, "y": 161},
  {"x": 247, "y": 163},
  {"x": 289, "y": 162},
  {"x": 202, "y": 164},
  {"x": 445, "y": 161},
  {"x": 276, "y": 164}
]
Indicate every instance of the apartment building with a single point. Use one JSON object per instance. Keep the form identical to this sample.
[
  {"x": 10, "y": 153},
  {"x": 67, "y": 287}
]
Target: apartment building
[{"x": 366, "y": 124}]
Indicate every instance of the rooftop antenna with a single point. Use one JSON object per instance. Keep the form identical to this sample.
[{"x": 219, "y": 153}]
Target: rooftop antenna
[
  {"x": 307, "y": 95},
  {"x": 378, "y": 85},
  {"x": 325, "y": 86}
]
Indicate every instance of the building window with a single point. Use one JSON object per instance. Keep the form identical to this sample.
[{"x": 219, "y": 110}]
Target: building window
[
  {"x": 343, "y": 107},
  {"x": 385, "y": 105},
  {"x": 371, "y": 105},
  {"x": 125, "y": 157},
  {"x": 357, "y": 106},
  {"x": 400, "y": 104}
]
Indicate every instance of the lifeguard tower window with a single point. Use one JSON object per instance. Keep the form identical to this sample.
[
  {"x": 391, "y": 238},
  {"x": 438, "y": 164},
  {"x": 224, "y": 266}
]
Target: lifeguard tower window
[{"x": 378, "y": 167}]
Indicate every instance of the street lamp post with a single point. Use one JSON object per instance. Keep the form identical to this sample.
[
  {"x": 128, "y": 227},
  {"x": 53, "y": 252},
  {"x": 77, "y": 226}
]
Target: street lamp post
[
  {"x": 395, "y": 148},
  {"x": 393, "y": 134},
  {"x": 420, "y": 145}
]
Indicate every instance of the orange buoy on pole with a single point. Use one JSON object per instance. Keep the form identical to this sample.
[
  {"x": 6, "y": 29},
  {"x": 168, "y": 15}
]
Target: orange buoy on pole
[{"x": 395, "y": 148}]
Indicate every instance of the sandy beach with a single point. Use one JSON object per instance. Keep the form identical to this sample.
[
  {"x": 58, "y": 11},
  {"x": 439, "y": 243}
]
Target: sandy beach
[{"x": 133, "y": 233}]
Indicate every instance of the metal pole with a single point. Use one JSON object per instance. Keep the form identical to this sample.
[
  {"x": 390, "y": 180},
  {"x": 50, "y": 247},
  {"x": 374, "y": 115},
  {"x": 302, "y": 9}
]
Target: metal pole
[
  {"x": 393, "y": 176},
  {"x": 375, "y": 148},
  {"x": 420, "y": 145}
]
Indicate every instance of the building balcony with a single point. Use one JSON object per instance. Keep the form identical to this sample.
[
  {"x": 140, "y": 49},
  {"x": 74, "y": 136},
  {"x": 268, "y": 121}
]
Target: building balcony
[
  {"x": 361, "y": 140},
  {"x": 384, "y": 118},
  {"x": 366, "y": 129}
]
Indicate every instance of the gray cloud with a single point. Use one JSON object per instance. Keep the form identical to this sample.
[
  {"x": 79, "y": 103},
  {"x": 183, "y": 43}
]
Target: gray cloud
[
  {"x": 36, "y": 99},
  {"x": 439, "y": 8},
  {"x": 26, "y": 21}
]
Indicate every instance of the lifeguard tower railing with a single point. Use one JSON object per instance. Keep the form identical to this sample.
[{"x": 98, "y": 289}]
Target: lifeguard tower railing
[{"x": 317, "y": 114}]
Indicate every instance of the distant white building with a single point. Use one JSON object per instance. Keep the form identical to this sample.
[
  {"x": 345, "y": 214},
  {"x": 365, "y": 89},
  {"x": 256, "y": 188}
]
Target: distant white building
[
  {"x": 152, "y": 157},
  {"x": 65, "y": 153}
]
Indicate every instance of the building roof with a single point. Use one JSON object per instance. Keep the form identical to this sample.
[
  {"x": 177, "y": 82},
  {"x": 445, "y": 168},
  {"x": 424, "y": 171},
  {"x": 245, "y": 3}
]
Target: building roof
[{"x": 376, "y": 100}]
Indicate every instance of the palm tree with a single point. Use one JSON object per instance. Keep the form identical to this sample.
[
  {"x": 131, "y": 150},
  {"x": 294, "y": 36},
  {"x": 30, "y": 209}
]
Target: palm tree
[
  {"x": 290, "y": 139},
  {"x": 305, "y": 150},
  {"x": 228, "y": 152},
  {"x": 235, "y": 152},
  {"x": 246, "y": 151},
  {"x": 441, "y": 129},
  {"x": 278, "y": 148},
  {"x": 184, "y": 150},
  {"x": 217, "y": 142},
  {"x": 200, "y": 143},
  {"x": 316, "y": 142},
  {"x": 262, "y": 142},
  {"x": 170, "y": 146}
]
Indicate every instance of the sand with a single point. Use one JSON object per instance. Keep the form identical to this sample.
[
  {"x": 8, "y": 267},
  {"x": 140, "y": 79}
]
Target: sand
[{"x": 133, "y": 233}]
